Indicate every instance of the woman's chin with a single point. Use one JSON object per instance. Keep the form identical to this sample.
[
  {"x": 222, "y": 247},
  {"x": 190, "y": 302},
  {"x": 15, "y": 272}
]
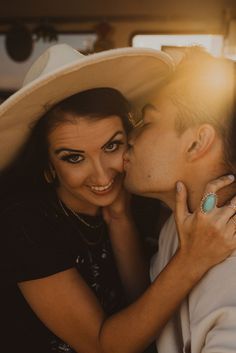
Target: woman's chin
[{"x": 103, "y": 199}]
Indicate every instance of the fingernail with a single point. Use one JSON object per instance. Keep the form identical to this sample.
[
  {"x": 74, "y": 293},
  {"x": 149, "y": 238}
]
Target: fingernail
[
  {"x": 231, "y": 177},
  {"x": 179, "y": 186}
]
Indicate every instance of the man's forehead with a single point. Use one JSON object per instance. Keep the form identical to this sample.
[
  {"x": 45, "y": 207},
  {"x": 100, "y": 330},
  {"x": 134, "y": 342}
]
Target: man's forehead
[{"x": 156, "y": 98}]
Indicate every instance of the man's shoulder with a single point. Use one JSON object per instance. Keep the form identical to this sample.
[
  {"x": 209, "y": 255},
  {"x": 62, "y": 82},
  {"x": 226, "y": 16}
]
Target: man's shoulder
[{"x": 216, "y": 289}]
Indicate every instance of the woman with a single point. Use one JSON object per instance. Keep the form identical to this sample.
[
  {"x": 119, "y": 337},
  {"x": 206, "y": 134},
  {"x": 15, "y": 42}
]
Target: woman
[{"x": 71, "y": 260}]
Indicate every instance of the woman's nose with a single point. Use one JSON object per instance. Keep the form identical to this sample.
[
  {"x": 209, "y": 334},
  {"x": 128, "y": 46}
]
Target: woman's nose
[{"x": 100, "y": 174}]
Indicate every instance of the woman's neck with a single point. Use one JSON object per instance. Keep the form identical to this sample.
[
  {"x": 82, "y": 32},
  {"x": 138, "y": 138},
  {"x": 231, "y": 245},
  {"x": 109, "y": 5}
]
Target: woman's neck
[{"x": 77, "y": 205}]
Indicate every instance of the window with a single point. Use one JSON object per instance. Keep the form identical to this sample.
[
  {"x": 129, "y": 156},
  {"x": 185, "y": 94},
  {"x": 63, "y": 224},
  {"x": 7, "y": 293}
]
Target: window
[
  {"x": 12, "y": 73},
  {"x": 167, "y": 42}
]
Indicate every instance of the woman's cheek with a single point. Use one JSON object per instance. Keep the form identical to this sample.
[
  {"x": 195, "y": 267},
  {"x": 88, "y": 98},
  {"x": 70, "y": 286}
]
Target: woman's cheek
[
  {"x": 119, "y": 162},
  {"x": 71, "y": 176}
]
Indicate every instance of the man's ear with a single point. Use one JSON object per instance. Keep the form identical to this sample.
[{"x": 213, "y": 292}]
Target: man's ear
[{"x": 201, "y": 142}]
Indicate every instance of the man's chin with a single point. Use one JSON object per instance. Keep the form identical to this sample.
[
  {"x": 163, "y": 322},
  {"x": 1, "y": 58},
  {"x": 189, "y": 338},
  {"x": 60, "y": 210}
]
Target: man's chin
[{"x": 132, "y": 186}]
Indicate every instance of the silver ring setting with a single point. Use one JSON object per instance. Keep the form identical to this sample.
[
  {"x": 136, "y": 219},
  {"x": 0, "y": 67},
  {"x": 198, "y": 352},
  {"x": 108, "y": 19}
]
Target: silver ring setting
[
  {"x": 208, "y": 202},
  {"x": 232, "y": 205}
]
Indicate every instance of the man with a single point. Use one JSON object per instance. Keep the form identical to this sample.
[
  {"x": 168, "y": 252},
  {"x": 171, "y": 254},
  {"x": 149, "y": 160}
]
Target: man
[{"x": 188, "y": 134}]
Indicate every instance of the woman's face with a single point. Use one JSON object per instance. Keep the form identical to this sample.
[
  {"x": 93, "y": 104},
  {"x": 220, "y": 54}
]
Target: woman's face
[{"x": 87, "y": 156}]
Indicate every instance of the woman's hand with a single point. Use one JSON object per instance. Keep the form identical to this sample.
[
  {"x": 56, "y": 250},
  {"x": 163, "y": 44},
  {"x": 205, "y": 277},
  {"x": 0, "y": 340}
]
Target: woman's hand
[
  {"x": 119, "y": 209},
  {"x": 206, "y": 238},
  {"x": 127, "y": 246}
]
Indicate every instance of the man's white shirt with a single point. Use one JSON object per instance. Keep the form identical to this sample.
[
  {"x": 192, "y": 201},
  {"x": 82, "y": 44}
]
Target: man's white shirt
[{"x": 206, "y": 319}]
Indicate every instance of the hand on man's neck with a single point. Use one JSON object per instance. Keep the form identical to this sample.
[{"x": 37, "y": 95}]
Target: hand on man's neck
[
  {"x": 196, "y": 192},
  {"x": 226, "y": 194}
]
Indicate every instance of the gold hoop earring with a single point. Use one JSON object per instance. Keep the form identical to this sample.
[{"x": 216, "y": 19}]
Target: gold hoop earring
[{"x": 49, "y": 175}]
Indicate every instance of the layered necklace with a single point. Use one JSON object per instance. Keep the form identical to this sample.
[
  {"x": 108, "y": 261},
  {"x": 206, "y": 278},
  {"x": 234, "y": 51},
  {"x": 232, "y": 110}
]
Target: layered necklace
[{"x": 100, "y": 226}]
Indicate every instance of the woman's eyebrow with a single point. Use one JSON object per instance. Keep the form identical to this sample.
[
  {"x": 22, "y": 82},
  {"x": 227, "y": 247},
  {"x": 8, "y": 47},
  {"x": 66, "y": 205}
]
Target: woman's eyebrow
[
  {"x": 112, "y": 137},
  {"x": 59, "y": 150}
]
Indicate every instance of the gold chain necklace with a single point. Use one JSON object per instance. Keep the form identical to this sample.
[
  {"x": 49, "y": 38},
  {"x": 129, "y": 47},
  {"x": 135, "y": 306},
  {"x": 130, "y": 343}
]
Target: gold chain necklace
[
  {"x": 101, "y": 230},
  {"x": 79, "y": 217}
]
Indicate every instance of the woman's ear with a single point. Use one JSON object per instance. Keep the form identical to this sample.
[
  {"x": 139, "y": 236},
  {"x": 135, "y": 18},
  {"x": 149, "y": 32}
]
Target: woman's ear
[{"x": 201, "y": 143}]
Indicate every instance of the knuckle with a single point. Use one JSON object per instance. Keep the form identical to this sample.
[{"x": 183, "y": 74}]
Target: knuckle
[
  {"x": 214, "y": 228},
  {"x": 203, "y": 218},
  {"x": 200, "y": 216},
  {"x": 211, "y": 188},
  {"x": 213, "y": 183},
  {"x": 217, "y": 223},
  {"x": 217, "y": 227},
  {"x": 217, "y": 183},
  {"x": 233, "y": 200}
]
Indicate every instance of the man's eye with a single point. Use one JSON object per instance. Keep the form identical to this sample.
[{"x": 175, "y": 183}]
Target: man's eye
[
  {"x": 113, "y": 146},
  {"x": 72, "y": 158}
]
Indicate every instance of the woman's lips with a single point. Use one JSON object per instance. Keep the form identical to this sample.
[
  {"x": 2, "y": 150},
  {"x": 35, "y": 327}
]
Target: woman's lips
[{"x": 102, "y": 189}]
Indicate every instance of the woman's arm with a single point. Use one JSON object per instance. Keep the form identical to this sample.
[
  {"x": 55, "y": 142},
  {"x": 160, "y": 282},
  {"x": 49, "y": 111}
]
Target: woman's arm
[
  {"x": 127, "y": 246},
  {"x": 69, "y": 308}
]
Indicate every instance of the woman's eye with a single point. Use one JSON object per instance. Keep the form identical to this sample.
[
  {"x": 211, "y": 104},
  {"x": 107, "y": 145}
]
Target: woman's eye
[
  {"x": 72, "y": 158},
  {"x": 113, "y": 146}
]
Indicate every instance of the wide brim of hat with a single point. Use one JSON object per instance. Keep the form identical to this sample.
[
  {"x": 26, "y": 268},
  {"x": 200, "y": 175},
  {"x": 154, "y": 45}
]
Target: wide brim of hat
[{"x": 135, "y": 72}]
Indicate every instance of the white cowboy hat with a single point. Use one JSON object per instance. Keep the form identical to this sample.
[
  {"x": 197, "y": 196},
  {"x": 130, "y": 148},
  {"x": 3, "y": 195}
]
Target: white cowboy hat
[{"x": 61, "y": 71}]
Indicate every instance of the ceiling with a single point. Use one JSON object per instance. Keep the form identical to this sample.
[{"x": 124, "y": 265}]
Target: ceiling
[{"x": 112, "y": 9}]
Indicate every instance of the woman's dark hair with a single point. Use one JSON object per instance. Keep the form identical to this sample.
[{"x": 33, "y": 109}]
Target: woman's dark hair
[{"x": 26, "y": 171}]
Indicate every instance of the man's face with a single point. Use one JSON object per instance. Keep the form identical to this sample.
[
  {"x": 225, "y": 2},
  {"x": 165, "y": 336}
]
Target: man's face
[{"x": 155, "y": 161}]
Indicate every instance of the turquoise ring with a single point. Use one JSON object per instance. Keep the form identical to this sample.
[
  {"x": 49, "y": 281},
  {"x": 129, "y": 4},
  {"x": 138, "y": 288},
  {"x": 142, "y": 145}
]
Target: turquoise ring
[{"x": 208, "y": 202}]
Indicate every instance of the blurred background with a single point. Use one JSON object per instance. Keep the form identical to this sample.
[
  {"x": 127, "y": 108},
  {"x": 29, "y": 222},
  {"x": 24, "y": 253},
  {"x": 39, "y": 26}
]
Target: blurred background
[{"x": 28, "y": 27}]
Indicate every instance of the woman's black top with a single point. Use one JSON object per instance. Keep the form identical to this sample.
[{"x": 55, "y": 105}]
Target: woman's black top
[{"x": 39, "y": 238}]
